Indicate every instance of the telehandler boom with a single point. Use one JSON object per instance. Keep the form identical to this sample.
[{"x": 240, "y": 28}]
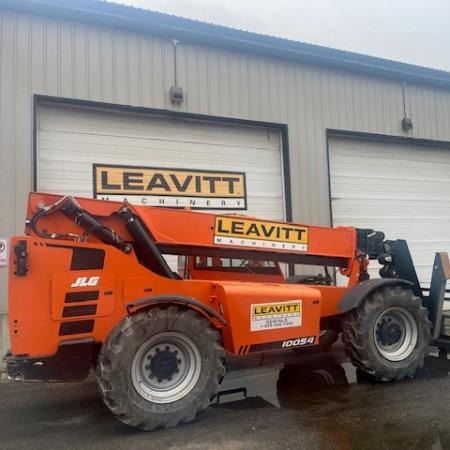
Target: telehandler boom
[{"x": 89, "y": 288}]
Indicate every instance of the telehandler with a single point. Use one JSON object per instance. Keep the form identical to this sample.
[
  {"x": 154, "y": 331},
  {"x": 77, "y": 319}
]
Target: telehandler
[{"x": 89, "y": 288}]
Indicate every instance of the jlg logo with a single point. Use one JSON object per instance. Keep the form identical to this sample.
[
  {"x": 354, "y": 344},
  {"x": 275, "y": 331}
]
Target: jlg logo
[{"x": 85, "y": 281}]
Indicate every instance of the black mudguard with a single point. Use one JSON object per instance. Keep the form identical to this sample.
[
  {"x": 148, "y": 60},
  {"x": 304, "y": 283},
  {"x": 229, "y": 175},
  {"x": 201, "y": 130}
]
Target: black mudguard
[
  {"x": 174, "y": 299},
  {"x": 354, "y": 297}
]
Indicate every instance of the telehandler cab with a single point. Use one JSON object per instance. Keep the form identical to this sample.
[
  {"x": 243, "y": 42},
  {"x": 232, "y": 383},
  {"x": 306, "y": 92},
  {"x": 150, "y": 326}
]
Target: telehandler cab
[{"x": 89, "y": 288}]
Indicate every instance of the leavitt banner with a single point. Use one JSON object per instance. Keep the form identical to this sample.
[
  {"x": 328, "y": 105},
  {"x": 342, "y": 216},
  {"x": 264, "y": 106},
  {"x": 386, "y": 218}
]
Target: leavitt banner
[{"x": 170, "y": 187}]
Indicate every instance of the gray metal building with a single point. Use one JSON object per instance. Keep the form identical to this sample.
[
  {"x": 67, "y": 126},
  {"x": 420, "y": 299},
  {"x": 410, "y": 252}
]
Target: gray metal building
[{"x": 323, "y": 136}]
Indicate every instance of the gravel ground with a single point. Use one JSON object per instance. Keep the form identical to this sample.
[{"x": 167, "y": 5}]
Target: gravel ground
[{"x": 286, "y": 401}]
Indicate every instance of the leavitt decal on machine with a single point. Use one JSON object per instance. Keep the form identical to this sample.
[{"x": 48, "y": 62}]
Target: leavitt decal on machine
[
  {"x": 260, "y": 234},
  {"x": 268, "y": 316},
  {"x": 170, "y": 187}
]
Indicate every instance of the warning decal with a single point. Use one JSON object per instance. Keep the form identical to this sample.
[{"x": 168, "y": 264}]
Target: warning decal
[
  {"x": 3, "y": 252},
  {"x": 268, "y": 316}
]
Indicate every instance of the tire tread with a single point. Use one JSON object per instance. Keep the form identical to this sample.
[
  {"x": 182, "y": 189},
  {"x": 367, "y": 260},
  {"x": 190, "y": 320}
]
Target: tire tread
[
  {"x": 355, "y": 331},
  {"x": 108, "y": 368}
]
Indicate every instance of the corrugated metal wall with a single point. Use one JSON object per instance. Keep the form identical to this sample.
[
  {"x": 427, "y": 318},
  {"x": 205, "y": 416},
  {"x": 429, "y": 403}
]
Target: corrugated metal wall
[
  {"x": 4, "y": 337},
  {"x": 58, "y": 58}
]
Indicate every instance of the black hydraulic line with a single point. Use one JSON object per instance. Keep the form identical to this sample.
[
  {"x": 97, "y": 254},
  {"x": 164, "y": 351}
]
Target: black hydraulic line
[
  {"x": 92, "y": 226},
  {"x": 43, "y": 233},
  {"x": 71, "y": 209},
  {"x": 145, "y": 248}
]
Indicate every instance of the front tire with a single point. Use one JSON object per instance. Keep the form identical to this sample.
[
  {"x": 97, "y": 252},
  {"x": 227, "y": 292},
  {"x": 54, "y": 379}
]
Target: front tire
[
  {"x": 388, "y": 335},
  {"x": 160, "y": 367}
]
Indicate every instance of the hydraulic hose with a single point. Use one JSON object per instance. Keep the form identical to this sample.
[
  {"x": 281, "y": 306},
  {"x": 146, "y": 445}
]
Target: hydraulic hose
[
  {"x": 71, "y": 209},
  {"x": 92, "y": 226}
]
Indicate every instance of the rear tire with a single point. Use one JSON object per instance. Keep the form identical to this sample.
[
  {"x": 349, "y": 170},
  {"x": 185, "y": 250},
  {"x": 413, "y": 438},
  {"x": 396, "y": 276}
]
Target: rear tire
[
  {"x": 160, "y": 367},
  {"x": 388, "y": 336}
]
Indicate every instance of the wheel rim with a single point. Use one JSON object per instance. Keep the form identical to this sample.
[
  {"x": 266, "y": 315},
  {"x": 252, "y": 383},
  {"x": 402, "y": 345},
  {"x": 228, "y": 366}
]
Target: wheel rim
[
  {"x": 166, "y": 367},
  {"x": 395, "y": 333}
]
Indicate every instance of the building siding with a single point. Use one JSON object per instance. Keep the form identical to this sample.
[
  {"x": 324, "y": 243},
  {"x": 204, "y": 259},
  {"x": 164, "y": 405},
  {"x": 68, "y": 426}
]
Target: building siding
[
  {"x": 54, "y": 57},
  {"x": 4, "y": 338}
]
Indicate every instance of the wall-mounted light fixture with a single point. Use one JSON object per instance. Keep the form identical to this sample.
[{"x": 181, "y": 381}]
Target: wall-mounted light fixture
[
  {"x": 407, "y": 124},
  {"x": 406, "y": 121},
  {"x": 176, "y": 92}
]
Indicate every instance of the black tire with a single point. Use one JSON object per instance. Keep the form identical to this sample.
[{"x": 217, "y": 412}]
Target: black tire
[
  {"x": 123, "y": 356},
  {"x": 366, "y": 334},
  {"x": 297, "y": 383}
]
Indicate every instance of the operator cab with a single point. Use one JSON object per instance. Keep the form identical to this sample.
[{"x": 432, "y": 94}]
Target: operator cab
[{"x": 230, "y": 269}]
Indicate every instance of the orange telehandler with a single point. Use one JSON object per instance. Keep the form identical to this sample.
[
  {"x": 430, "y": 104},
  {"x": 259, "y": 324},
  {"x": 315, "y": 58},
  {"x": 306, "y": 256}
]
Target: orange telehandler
[{"x": 89, "y": 288}]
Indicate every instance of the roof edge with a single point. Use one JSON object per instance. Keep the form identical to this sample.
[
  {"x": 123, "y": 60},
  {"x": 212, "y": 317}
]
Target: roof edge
[{"x": 192, "y": 31}]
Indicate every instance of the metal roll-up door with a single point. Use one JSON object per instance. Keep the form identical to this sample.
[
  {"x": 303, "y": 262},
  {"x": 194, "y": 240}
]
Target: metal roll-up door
[
  {"x": 71, "y": 139},
  {"x": 399, "y": 188}
]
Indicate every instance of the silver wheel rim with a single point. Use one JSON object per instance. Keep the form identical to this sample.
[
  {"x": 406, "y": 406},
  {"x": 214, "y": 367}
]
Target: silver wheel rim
[
  {"x": 396, "y": 333},
  {"x": 166, "y": 367}
]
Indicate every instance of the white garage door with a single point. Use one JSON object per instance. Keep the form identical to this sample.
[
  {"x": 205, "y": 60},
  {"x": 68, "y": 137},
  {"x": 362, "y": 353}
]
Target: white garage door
[
  {"x": 400, "y": 189},
  {"x": 72, "y": 139}
]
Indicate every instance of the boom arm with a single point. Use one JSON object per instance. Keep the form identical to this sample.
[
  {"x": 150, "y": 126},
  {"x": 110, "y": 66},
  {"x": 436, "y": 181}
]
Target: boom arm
[{"x": 176, "y": 231}]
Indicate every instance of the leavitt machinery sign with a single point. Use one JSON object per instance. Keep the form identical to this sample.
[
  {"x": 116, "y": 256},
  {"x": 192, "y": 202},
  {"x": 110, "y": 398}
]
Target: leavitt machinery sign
[
  {"x": 251, "y": 233},
  {"x": 276, "y": 315},
  {"x": 170, "y": 187}
]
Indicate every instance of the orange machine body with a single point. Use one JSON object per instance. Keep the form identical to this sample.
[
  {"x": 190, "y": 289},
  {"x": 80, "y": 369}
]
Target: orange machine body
[{"x": 79, "y": 288}]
